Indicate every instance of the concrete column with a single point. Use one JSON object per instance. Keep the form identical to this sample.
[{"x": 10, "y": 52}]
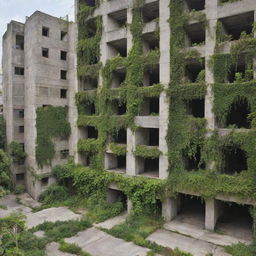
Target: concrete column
[
  {"x": 164, "y": 64},
  {"x": 170, "y": 209},
  {"x": 129, "y": 206},
  {"x": 130, "y": 158},
  {"x": 212, "y": 213}
]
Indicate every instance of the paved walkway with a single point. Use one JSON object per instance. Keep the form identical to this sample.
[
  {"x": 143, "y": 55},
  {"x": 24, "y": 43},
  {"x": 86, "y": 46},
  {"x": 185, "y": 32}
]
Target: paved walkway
[
  {"x": 99, "y": 243},
  {"x": 110, "y": 223},
  {"x": 184, "y": 243},
  {"x": 52, "y": 249},
  {"x": 202, "y": 234}
]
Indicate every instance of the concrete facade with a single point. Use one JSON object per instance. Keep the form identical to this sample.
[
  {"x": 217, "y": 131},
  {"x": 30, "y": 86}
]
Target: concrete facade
[{"x": 45, "y": 40}]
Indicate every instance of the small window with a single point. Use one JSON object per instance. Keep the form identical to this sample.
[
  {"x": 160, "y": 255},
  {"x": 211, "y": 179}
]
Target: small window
[
  {"x": 63, "y": 74},
  {"x": 64, "y": 154},
  {"x": 45, "y": 52},
  {"x": 63, "y": 93},
  {"x": 19, "y": 42},
  {"x": 21, "y": 113},
  {"x": 45, "y": 31},
  {"x": 63, "y": 55},
  {"x": 21, "y": 129},
  {"x": 19, "y": 71},
  {"x": 63, "y": 36},
  {"x": 44, "y": 181},
  {"x": 20, "y": 177}
]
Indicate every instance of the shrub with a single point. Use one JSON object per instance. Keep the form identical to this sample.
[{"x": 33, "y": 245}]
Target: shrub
[{"x": 53, "y": 194}]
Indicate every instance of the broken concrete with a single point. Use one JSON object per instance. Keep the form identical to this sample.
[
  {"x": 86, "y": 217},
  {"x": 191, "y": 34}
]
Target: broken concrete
[
  {"x": 98, "y": 243},
  {"x": 52, "y": 249}
]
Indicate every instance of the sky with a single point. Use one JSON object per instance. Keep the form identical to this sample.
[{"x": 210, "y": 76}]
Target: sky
[{"x": 19, "y": 9}]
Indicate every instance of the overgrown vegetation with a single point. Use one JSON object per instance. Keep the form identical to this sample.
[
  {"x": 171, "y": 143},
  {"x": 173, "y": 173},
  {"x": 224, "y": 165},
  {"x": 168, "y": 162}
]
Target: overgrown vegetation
[
  {"x": 17, "y": 153},
  {"x": 51, "y": 123}
]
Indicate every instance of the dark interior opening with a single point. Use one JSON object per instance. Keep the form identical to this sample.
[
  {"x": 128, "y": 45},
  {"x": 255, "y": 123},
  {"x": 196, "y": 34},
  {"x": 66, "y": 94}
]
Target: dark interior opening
[
  {"x": 196, "y": 33},
  {"x": 118, "y": 77},
  {"x": 44, "y": 181},
  {"x": 151, "y": 76},
  {"x": 150, "y": 11},
  {"x": 63, "y": 74},
  {"x": 151, "y": 165},
  {"x": 63, "y": 93},
  {"x": 92, "y": 132},
  {"x": 121, "y": 162},
  {"x": 153, "y": 137},
  {"x": 45, "y": 31},
  {"x": 120, "y": 17},
  {"x": 90, "y": 109},
  {"x": 20, "y": 177},
  {"x": 196, "y": 108},
  {"x": 235, "y": 220},
  {"x": 90, "y": 2},
  {"x": 235, "y": 160},
  {"x": 193, "y": 69},
  {"x": 88, "y": 83},
  {"x": 196, "y": 5},
  {"x": 119, "y": 108},
  {"x": 120, "y": 137},
  {"x": 19, "y": 42},
  {"x": 193, "y": 163},
  {"x": 238, "y": 114},
  {"x": 114, "y": 196},
  {"x": 192, "y": 205},
  {"x": 63, "y": 55},
  {"x": 235, "y": 25},
  {"x": 91, "y": 26},
  {"x": 151, "y": 42},
  {"x": 119, "y": 46},
  {"x": 153, "y": 106},
  {"x": 158, "y": 208}
]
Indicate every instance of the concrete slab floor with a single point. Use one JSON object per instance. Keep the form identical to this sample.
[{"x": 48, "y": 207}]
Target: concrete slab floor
[
  {"x": 194, "y": 218},
  {"x": 110, "y": 223},
  {"x": 194, "y": 246},
  {"x": 98, "y": 243},
  {"x": 52, "y": 249},
  {"x": 202, "y": 234}
]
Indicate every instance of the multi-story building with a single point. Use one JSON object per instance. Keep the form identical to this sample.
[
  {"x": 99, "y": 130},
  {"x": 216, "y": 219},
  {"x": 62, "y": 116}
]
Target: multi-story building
[
  {"x": 37, "y": 70},
  {"x": 166, "y": 74},
  {"x": 163, "y": 90}
]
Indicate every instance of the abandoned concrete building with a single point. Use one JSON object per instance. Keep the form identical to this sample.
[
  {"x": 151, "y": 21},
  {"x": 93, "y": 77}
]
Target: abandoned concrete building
[
  {"x": 36, "y": 73},
  {"x": 154, "y": 88}
]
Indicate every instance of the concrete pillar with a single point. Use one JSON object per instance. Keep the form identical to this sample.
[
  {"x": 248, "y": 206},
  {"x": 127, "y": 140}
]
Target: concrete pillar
[
  {"x": 164, "y": 64},
  {"x": 129, "y": 206},
  {"x": 130, "y": 158},
  {"x": 212, "y": 213},
  {"x": 170, "y": 209}
]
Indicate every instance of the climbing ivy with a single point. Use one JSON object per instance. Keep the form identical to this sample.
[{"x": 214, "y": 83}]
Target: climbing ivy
[{"x": 51, "y": 122}]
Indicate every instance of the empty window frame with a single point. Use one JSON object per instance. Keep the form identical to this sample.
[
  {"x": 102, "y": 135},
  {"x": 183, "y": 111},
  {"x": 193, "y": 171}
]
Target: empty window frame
[
  {"x": 45, "y": 31},
  {"x": 151, "y": 75},
  {"x": 45, "y": 181},
  {"x": 63, "y": 74},
  {"x": 21, "y": 113},
  {"x": 21, "y": 129},
  {"x": 19, "y": 42},
  {"x": 20, "y": 177},
  {"x": 196, "y": 5},
  {"x": 237, "y": 24},
  {"x": 117, "y": 19},
  {"x": 63, "y": 55},
  {"x": 19, "y": 71},
  {"x": 195, "y": 34},
  {"x": 150, "y": 11},
  {"x": 63, "y": 93},
  {"x": 196, "y": 107},
  {"x": 63, "y": 36},
  {"x": 64, "y": 154},
  {"x": 118, "y": 47},
  {"x": 45, "y": 52}
]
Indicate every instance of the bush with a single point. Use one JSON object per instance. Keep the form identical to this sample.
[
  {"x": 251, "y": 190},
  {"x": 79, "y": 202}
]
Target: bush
[
  {"x": 69, "y": 248},
  {"x": 53, "y": 194},
  {"x": 19, "y": 189}
]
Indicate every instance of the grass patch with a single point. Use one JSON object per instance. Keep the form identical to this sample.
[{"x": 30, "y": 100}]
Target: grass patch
[
  {"x": 241, "y": 249},
  {"x": 72, "y": 248},
  {"x": 62, "y": 229},
  {"x": 138, "y": 228}
]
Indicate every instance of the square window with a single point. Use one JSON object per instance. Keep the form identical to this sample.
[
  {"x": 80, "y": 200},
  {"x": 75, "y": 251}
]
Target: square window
[
  {"x": 63, "y": 36},
  {"x": 21, "y": 113},
  {"x": 21, "y": 129},
  {"x": 64, "y": 154},
  {"x": 19, "y": 42},
  {"x": 63, "y": 74},
  {"x": 63, "y": 55},
  {"x": 45, "y": 52},
  {"x": 20, "y": 177},
  {"x": 63, "y": 93},
  {"x": 19, "y": 71},
  {"x": 45, "y": 31},
  {"x": 44, "y": 181}
]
